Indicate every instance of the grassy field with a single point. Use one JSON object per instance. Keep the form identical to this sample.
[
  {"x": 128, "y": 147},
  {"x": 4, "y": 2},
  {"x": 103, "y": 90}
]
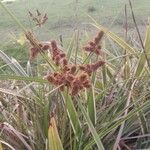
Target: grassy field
[
  {"x": 71, "y": 14},
  {"x": 65, "y": 17}
]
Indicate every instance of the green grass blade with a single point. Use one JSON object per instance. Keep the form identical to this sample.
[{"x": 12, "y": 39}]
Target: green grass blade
[
  {"x": 91, "y": 108},
  {"x": 147, "y": 42},
  {"x": 23, "y": 78},
  {"x": 142, "y": 61},
  {"x": 7, "y": 144},
  {"x": 91, "y": 127},
  {"x": 77, "y": 46},
  {"x": 13, "y": 64},
  {"x": 70, "y": 48},
  {"x": 29, "y": 69},
  {"x": 72, "y": 114},
  {"x": 115, "y": 125},
  {"x": 140, "y": 66}
]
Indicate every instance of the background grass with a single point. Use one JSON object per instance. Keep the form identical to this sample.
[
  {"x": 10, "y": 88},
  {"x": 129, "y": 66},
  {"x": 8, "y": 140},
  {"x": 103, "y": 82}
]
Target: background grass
[{"x": 65, "y": 17}]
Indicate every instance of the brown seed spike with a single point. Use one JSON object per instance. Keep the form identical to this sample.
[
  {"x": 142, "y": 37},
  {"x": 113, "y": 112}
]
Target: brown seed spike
[
  {"x": 70, "y": 77},
  {"x": 62, "y": 88},
  {"x": 33, "y": 52},
  {"x": 65, "y": 69},
  {"x": 38, "y": 13},
  {"x": 65, "y": 62},
  {"x": 31, "y": 15},
  {"x": 91, "y": 43},
  {"x": 45, "y": 47},
  {"x": 73, "y": 69},
  {"x": 56, "y": 74},
  {"x": 53, "y": 45},
  {"x": 98, "y": 50},
  {"x": 83, "y": 77},
  {"x": 99, "y": 37},
  {"x": 88, "y": 48},
  {"x": 74, "y": 91},
  {"x": 81, "y": 67},
  {"x": 87, "y": 84},
  {"x": 62, "y": 55},
  {"x": 57, "y": 58},
  {"x": 100, "y": 34},
  {"x": 50, "y": 78},
  {"x": 98, "y": 64},
  {"x": 45, "y": 16},
  {"x": 38, "y": 18}
]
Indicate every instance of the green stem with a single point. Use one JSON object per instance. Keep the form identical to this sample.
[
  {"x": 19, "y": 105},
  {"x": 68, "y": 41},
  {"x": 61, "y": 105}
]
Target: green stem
[{"x": 91, "y": 127}]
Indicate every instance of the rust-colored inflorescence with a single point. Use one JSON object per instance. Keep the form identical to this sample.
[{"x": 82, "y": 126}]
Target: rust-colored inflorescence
[
  {"x": 37, "y": 46},
  {"x": 75, "y": 82},
  {"x": 69, "y": 79},
  {"x": 71, "y": 76},
  {"x": 38, "y": 18},
  {"x": 93, "y": 46},
  {"x": 57, "y": 55},
  {"x": 89, "y": 68}
]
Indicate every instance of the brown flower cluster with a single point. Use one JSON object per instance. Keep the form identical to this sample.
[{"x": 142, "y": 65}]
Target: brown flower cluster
[
  {"x": 74, "y": 77},
  {"x": 37, "y": 46},
  {"x": 38, "y": 18},
  {"x": 57, "y": 55},
  {"x": 68, "y": 78},
  {"x": 93, "y": 46},
  {"x": 89, "y": 68}
]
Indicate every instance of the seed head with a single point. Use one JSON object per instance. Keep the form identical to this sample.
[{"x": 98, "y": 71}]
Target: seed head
[
  {"x": 93, "y": 46},
  {"x": 45, "y": 47},
  {"x": 99, "y": 37},
  {"x": 83, "y": 77},
  {"x": 73, "y": 69},
  {"x": 65, "y": 62}
]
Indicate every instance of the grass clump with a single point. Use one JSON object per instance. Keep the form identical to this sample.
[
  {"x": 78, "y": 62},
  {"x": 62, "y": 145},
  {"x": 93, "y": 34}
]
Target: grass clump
[{"x": 91, "y": 97}]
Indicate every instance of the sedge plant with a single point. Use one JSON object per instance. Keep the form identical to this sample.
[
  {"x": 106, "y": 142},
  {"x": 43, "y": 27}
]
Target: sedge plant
[{"x": 78, "y": 97}]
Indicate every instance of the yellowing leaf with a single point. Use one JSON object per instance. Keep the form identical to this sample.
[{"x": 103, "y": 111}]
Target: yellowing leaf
[
  {"x": 21, "y": 40},
  {"x": 1, "y": 148},
  {"x": 53, "y": 136}
]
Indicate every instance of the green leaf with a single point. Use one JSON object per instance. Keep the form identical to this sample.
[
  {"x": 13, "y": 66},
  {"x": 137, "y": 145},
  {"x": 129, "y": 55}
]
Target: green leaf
[
  {"x": 72, "y": 114},
  {"x": 91, "y": 108},
  {"x": 7, "y": 144},
  {"x": 23, "y": 78},
  {"x": 147, "y": 42},
  {"x": 140, "y": 66},
  {"x": 114, "y": 125},
  {"x": 13, "y": 64},
  {"x": 91, "y": 127},
  {"x": 70, "y": 48},
  {"x": 145, "y": 53}
]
